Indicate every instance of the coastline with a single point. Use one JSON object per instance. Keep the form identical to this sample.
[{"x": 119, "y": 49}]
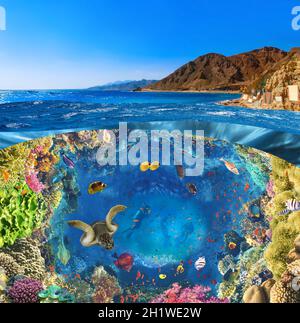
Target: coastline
[
  {"x": 191, "y": 91},
  {"x": 244, "y": 104}
]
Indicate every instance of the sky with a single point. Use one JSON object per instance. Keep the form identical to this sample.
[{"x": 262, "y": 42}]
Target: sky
[{"x": 51, "y": 44}]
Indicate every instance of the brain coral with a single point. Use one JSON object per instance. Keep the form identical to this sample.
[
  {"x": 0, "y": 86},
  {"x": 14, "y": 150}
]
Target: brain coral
[
  {"x": 26, "y": 253},
  {"x": 10, "y": 266}
]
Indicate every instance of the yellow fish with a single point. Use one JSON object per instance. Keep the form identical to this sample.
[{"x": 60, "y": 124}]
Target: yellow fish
[
  {"x": 154, "y": 166},
  {"x": 162, "y": 276},
  {"x": 96, "y": 187},
  {"x": 180, "y": 269},
  {"x": 144, "y": 167}
]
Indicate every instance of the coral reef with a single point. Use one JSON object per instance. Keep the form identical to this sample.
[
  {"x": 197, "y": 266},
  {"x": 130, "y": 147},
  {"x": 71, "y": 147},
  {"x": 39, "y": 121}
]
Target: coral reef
[
  {"x": 25, "y": 291},
  {"x": 285, "y": 228},
  {"x": 26, "y": 254},
  {"x": 106, "y": 286},
  {"x": 196, "y": 294},
  {"x": 226, "y": 290},
  {"x": 10, "y": 266},
  {"x": 81, "y": 289},
  {"x": 257, "y": 164},
  {"x": 284, "y": 290}
]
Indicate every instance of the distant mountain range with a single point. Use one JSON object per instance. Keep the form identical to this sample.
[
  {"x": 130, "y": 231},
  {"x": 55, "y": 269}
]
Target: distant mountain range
[
  {"x": 215, "y": 72},
  {"x": 123, "y": 85}
]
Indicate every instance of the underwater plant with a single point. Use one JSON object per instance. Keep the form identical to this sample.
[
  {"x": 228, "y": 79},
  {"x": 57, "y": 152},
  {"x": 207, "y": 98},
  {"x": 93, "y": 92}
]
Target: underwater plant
[{"x": 21, "y": 212}]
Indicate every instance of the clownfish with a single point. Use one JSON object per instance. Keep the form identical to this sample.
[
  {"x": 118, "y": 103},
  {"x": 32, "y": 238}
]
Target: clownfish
[{"x": 96, "y": 187}]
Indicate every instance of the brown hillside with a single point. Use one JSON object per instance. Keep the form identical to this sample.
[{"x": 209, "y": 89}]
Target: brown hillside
[{"x": 218, "y": 72}]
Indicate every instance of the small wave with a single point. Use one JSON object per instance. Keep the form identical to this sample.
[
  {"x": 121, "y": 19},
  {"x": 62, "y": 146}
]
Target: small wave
[
  {"x": 221, "y": 113},
  {"x": 17, "y": 125},
  {"x": 70, "y": 115}
]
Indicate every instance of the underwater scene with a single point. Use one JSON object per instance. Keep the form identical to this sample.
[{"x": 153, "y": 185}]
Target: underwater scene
[{"x": 72, "y": 231}]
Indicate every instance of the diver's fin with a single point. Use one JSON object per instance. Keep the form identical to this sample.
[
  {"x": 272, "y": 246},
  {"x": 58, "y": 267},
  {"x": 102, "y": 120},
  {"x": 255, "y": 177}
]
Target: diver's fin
[{"x": 111, "y": 215}]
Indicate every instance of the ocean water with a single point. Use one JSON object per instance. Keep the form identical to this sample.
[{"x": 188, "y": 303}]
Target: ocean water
[
  {"x": 165, "y": 228},
  {"x": 25, "y": 115}
]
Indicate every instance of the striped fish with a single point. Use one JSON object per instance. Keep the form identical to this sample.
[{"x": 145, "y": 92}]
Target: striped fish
[
  {"x": 200, "y": 263},
  {"x": 291, "y": 206}
]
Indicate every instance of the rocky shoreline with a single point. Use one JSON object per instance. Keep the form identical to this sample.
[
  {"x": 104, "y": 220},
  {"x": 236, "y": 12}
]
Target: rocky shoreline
[{"x": 257, "y": 105}]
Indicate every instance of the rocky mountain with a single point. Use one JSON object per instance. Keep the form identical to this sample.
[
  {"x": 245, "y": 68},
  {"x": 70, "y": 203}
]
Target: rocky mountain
[
  {"x": 215, "y": 72},
  {"x": 278, "y": 77},
  {"x": 123, "y": 85}
]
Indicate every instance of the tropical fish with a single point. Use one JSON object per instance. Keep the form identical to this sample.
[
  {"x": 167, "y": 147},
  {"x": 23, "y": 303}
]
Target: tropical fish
[
  {"x": 232, "y": 245},
  {"x": 180, "y": 171},
  {"x": 162, "y": 276},
  {"x": 96, "y": 187},
  {"x": 63, "y": 254},
  {"x": 230, "y": 166},
  {"x": 125, "y": 262},
  {"x": 180, "y": 269},
  {"x": 144, "y": 167},
  {"x": 247, "y": 187},
  {"x": 192, "y": 188},
  {"x": 291, "y": 206},
  {"x": 138, "y": 275},
  {"x": 68, "y": 161},
  {"x": 154, "y": 166},
  {"x": 200, "y": 263}
]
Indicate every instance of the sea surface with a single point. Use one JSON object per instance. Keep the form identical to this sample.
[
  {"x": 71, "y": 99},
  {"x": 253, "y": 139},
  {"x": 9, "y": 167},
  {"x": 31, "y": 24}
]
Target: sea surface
[{"x": 26, "y": 115}]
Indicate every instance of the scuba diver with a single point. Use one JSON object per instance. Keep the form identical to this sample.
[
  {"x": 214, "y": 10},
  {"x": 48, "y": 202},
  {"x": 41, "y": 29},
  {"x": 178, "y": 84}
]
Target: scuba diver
[{"x": 138, "y": 218}]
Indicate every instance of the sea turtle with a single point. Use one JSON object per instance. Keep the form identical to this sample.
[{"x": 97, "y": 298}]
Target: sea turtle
[{"x": 99, "y": 233}]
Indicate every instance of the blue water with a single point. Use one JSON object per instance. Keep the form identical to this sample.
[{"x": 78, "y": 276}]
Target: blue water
[
  {"x": 31, "y": 114},
  {"x": 180, "y": 227}
]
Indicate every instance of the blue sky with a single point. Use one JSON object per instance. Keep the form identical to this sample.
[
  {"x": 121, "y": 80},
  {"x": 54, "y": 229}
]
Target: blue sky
[{"x": 81, "y": 43}]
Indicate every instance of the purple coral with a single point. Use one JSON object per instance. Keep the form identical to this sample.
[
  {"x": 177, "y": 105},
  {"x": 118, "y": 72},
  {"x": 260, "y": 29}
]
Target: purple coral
[
  {"x": 34, "y": 183},
  {"x": 270, "y": 189},
  {"x": 197, "y": 294},
  {"x": 25, "y": 291}
]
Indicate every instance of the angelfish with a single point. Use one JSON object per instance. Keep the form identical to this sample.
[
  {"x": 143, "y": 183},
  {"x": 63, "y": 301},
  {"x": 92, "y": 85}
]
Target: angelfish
[{"x": 291, "y": 206}]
